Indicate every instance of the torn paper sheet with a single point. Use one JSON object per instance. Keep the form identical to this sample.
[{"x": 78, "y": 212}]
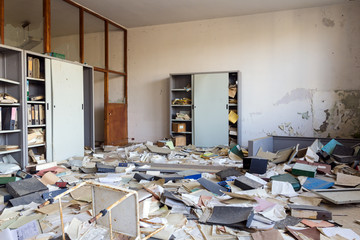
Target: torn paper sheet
[{"x": 283, "y": 188}]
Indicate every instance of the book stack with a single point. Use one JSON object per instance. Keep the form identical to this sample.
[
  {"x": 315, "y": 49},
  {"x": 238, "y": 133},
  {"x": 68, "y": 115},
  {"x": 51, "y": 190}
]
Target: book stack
[
  {"x": 36, "y": 114},
  {"x": 8, "y": 118},
  {"x": 34, "y": 67}
]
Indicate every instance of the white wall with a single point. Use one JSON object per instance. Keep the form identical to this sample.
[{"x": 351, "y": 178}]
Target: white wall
[{"x": 300, "y": 70}]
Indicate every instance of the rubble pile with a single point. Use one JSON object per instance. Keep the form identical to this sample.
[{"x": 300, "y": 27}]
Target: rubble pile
[{"x": 191, "y": 193}]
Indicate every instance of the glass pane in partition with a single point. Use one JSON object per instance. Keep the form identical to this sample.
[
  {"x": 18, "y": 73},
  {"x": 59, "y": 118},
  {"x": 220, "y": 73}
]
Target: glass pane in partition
[
  {"x": 65, "y": 37},
  {"x": 116, "y": 49},
  {"x": 116, "y": 88},
  {"x": 94, "y": 41},
  {"x": 24, "y": 28},
  {"x": 99, "y": 105}
]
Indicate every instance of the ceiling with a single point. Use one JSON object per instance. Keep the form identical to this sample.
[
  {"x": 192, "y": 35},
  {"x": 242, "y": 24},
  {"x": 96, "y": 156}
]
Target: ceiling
[{"x": 137, "y": 13}]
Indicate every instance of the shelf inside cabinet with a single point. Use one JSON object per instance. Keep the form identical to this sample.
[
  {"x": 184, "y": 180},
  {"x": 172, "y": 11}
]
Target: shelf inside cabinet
[
  {"x": 180, "y": 90},
  {"x": 36, "y": 102},
  {"x": 181, "y": 105},
  {"x": 10, "y": 151},
  {"x": 181, "y": 132},
  {"x": 9, "y": 104},
  {"x": 35, "y": 79},
  {"x": 179, "y": 120},
  {"x": 36, "y": 145},
  {"x": 10, "y": 131},
  {"x": 9, "y": 81},
  {"x": 37, "y": 126}
]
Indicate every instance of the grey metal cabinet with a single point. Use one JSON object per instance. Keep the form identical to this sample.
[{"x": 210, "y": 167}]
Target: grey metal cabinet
[
  {"x": 11, "y": 107},
  {"x": 67, "y": 110},
  {"x": 68, "y": 123},
  {"x": 204, "y": 98},
  {"x": 210, "y": 111}
]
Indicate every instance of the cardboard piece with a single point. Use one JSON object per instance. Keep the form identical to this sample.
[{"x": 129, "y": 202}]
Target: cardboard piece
[
  {"x": 49, "y": 178},
  {"x": 310, "y": 233},
  {"x": 316, "y": 223},
  {"x": 310, "y": 212},
  {"x": 272, "y": 234},
  {"x": 339, "y": 196},
  {"x": 26, "y": 186},
  {"x": 179, "y": 141},
  {"x": 347, "y": 180},
  {"x": 178, "y": 127},
  {"x": 158, "y": 150}
]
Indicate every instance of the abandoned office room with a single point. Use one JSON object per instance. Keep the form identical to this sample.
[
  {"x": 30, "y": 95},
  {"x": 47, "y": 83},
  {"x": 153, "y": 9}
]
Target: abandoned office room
[{"x": 162, "y": 119}]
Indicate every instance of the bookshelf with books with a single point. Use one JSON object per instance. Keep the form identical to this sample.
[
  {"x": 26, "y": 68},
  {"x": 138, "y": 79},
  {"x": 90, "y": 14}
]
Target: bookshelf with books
[
  {"x": 11, "y": 104},
  {"x": 37, "y": 81}
]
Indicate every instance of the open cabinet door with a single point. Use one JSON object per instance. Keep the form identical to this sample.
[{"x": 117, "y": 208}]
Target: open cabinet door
[{"x": 116, "y": 132}]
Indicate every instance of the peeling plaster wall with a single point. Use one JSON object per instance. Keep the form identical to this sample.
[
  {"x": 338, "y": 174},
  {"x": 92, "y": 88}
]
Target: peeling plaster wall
[{"x": 300, "y": 70}]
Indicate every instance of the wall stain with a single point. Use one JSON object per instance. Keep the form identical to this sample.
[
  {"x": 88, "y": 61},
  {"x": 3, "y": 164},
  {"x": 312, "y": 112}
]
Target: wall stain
[
  {"x": 327, "y": 22},
  {"x": 298, "y": 94}
]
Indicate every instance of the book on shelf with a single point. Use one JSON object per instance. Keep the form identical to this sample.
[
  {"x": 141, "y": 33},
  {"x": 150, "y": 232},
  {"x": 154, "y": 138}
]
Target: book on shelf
[
  {"x": 1, "y": 128},
  {"x": 36, "y": 68},
  {"x": 27, "y": 90},
  {"x": 37, "y": 98},
  {"x": 37, "y": 120},
  {"x": 16, "y": 126},
  {"x": 32, "y": 115},
  {"x": 29, "y": 114},
  {"x": 8, "y": 147},
  {"x": 33, "y": 67},
  {"x": 7, "y": 98},
  {"x": 9, "y": 117},
  {"x": 42, "y": 114},
  {"x": 30, "y": 67}
]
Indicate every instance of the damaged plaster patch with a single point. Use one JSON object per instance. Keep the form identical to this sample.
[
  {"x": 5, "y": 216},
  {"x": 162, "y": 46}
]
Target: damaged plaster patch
[
  {"x": 325, "y": 124},
  {"x": 298, "y": 94},
  {"x": 304, "y": 115},
  {"x": 327, "y": 22},
  {"x": 288, "y": 129},
  {"x": 337, "y": 113}
]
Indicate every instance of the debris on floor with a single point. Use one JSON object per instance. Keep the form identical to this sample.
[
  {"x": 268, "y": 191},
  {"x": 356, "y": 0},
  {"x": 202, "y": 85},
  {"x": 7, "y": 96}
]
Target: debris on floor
[{"x": 164, "y": 192}]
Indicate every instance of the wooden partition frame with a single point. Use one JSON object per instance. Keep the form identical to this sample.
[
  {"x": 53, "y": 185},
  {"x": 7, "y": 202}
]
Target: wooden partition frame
[{"x": 106, "y": 70}]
